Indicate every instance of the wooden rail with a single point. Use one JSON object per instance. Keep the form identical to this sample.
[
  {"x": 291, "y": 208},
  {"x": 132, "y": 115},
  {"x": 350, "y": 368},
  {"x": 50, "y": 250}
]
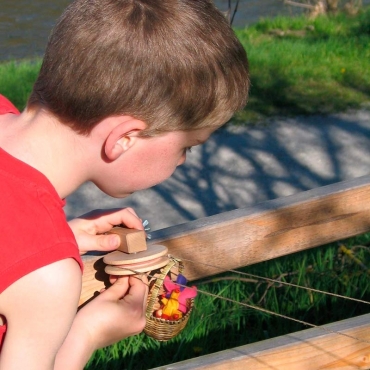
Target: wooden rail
[
  {"x": 269, "y": 230},
  {"x": 246, "y": 236},
  {"x": 312, "y": 349}
]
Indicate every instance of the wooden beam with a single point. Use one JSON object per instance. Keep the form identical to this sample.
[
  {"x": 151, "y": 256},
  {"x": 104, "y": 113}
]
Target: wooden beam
[
  {"x": 312, "y": 349},
  {"x": 269, "y": 230}
]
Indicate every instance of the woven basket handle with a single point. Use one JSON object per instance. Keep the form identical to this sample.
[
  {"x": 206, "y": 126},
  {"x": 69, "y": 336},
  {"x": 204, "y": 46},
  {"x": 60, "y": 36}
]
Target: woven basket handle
[{"x": 159, "y": 282}]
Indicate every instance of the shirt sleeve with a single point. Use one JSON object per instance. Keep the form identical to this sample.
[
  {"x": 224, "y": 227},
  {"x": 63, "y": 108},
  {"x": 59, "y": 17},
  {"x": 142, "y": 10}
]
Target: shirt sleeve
[{"x": 6, "y": 106}]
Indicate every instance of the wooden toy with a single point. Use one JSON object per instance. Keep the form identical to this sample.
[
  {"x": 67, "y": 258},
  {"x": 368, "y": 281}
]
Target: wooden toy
[
  {"x": 133, "y": 256},
  {"x": 120, "y": 263}
]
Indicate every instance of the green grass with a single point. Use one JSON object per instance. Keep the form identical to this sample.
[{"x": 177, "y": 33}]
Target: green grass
[
  {"x": 298, "y": 66},
  {"x": 16, "y": 80},
  {"x": 301, "y": 66},
  {"x": 217, "y": 324}
]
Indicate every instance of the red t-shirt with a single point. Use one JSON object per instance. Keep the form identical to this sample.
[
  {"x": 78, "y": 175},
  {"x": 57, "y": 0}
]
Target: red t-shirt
[
  {"x": 34, "y": 230},
  {"x": 6, "y": 106}
]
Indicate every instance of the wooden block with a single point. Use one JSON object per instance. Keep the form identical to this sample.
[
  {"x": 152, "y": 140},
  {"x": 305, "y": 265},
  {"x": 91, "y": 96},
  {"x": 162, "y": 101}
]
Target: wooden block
[{"x": 132, "y": 240}]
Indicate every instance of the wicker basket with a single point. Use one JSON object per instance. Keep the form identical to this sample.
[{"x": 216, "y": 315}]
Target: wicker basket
[{"x": 161, "y": 329}]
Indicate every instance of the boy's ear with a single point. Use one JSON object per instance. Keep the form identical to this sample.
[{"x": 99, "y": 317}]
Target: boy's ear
[{"x": 122, "y": 136}]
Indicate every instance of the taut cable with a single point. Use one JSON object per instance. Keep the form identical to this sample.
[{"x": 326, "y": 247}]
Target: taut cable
[
  {"x": 323, "y": 328},
  {"x": 278, "y": 281}
]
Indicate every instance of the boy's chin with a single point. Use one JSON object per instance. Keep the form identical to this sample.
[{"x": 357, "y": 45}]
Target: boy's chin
[
  {"x": 118, "y": 194},
  {"x": 114, "y": 193}
]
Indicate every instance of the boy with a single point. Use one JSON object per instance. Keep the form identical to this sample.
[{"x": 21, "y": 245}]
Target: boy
[{"x": 125, "y": 89}]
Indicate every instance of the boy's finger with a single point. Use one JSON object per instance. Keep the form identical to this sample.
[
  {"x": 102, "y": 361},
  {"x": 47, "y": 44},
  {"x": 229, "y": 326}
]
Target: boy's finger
[
  {"x": 131, "y": 221},
  {"x": 118, "y": 290},
  {"x": 104, "y": 243},
  {"x": 125, "y": 216},
  {"x": 107, "y": 242},
  {"x": 138, "y": 293}
]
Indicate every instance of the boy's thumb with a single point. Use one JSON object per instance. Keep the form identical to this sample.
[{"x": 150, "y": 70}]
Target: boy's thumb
[
  {"x": 119, "y": 288},
  {"x": 107, "y": 242}
]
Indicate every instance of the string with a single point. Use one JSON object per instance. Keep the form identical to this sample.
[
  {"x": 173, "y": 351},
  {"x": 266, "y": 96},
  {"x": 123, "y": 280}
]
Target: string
[
  {"x": 278, "y": 281},
  {"x": 323, "y": 328},
  {"x": 282, "y": 316}
]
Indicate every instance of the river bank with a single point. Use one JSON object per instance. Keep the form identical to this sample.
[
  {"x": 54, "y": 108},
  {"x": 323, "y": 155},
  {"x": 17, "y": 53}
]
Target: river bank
[
  {"x": 25, "y": 25},
  {"x": 298, "y": 66}
]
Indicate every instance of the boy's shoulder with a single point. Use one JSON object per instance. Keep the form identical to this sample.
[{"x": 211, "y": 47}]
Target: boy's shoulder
[{"x": 6, "y": 106}]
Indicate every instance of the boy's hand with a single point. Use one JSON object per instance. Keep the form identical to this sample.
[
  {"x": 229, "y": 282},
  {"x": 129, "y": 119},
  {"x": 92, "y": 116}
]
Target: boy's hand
[
  {"x": 117, "y": 313},
  {"x": 89, "y": 228}
]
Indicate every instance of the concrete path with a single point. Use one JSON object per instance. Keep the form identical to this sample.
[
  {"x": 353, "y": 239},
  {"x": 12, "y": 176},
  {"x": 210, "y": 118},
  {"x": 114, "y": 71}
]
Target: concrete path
[{"x": 240, "y": 167}]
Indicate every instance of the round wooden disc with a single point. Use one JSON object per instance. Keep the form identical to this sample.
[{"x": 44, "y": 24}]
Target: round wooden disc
[
  {"x": 133, "y": 269},
  {"x": 120, "y": 258}
]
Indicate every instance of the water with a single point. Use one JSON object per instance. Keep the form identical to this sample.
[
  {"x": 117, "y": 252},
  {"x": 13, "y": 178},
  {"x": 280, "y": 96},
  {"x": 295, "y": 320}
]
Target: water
[{"x": 25, "y": 25}]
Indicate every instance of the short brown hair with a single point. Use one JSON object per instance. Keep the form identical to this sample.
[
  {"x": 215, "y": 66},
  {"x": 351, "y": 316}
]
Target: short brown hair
[{"x": 174, "y": 64}]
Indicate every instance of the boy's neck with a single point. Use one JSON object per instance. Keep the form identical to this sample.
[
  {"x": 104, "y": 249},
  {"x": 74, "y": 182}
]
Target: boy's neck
[{"x": 52, "y": 148}]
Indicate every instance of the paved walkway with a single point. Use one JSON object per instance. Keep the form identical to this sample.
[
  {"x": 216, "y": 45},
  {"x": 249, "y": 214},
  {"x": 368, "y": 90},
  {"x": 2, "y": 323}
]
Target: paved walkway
[{"x": 240, "y": 167}]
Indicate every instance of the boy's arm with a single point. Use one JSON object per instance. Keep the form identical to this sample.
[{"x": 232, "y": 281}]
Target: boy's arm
[
  {"x": 44, "y": 331},
  {"x": 115, "y": 314},
  {"x": 40, "y": 309}
]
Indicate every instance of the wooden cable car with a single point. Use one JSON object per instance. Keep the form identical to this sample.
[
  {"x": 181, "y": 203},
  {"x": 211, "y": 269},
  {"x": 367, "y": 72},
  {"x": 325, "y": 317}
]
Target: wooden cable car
[{"x": 269, "y": 230}]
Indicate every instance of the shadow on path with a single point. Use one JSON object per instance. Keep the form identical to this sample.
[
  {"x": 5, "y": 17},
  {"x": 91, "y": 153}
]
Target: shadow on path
[{"x": 239, "y": 167}]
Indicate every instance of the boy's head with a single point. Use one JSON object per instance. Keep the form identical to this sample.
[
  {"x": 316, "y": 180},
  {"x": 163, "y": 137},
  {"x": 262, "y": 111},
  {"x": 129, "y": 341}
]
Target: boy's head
[{"x": 174, "y": 64}]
